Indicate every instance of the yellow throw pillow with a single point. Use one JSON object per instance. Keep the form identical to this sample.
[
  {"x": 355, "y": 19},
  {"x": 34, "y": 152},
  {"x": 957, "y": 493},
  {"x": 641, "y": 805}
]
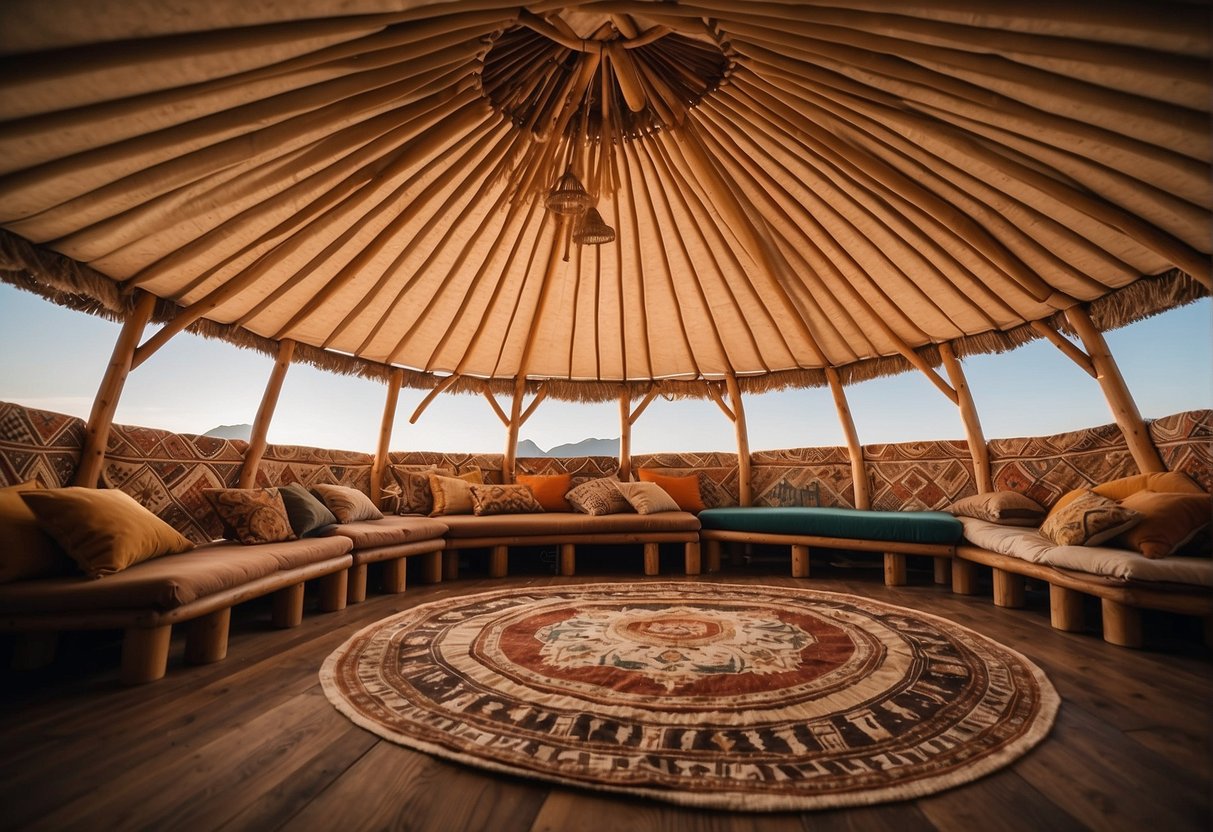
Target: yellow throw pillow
[
  {"x": 647, "y": 497},
  {"x": 1088, "y": 520},
  {"x": 25, "y": 550},
  {"x": 103, "y": 530},
  {"x": 1169, "y": 481},
  {"x": 453, "y": 495},
  {"x": 549, "y": 489},
  {"x": 1168, "y": 521},
  {"x": 684, "y": 490}
]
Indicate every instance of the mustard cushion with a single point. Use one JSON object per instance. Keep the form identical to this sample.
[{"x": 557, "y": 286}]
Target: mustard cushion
[
  {"x": 1168, "y": 521},
  {"x": 453, "y": 495},
  {"x": 103, "y": 530},
  {"x": 647, "y": 497},
  {"x": 1088, "y": 520},
  {"x": 684, "y": 490},
  {"x": 25, "y": 550},
  {"x": 348, "y": 504},
  {"x": 503, "y": 499},
  {"x": 1006, "y": 508},
  {"x": 1169, "y": 481},
  {"x": 549, "y": 489},
  {"x": 251, "y": 515}
]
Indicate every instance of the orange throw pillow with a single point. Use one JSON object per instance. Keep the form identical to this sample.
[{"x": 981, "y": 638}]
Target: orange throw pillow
[
  {"x": 1176, "y": 482},
  {"x": 1168, "y": 521},
  {"x": 549, "y": 489},
  {"x": 684, "y": 490}
]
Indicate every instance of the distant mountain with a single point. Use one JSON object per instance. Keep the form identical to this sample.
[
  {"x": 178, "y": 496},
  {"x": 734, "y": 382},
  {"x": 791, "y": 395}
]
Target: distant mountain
[
  {"x": 231, "y": 432},
  {"x": 586, "y": 447}
]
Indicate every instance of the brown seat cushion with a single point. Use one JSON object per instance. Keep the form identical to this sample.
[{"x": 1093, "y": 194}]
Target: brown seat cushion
[
  {"x": 389, "y": 531},
  {"x": 169, "y": 581},
  {"x": 567, "y": 522}
]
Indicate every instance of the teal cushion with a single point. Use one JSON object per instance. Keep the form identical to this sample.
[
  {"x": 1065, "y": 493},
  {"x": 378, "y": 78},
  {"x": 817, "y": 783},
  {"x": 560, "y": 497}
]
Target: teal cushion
[
  {"x": 899, "y": 526},
  {"x": 307, "y": 514}
]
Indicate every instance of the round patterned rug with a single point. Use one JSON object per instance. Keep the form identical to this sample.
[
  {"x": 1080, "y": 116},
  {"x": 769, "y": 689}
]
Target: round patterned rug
[{"x": 722, "y": 695}]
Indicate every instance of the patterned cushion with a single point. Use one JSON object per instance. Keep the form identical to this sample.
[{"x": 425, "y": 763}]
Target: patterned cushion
[
  {"x": 1088, "y": 520},
  {"x": 251, "y": 515},
  {"x": 1007, "y": 508},
  {"x": 503, "y": 499},
  {"x": 103, "y": 530},
  {"x": 1169, "y": 481},
  {"x": 349, "y": 504},
  {"x": 684, "y": 490},
  {"x": 647, "y": 497},
  {"x": 1168, "y": 521},
  {"x": 452, "y": 495},
  {"x": 597, "y": 497},
  {"x": 549, "y": 489},
  {"x": 25, "y": 550},
  {"x": 306, "y": 514},
  {"x": 415, "y": 494}
]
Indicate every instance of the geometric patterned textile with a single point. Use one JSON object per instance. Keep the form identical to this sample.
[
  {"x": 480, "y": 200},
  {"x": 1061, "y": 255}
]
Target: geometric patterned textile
[
  {"x": 38, "y": 445},
  {"x": 704, "y": 694},
  {"x": 1185, "y": 442},
  {"x": 285, "y": 464},
  {"x": 1046, "y": 467},
  {"x": 802, "y": 477},
  {"x": 717, "y": 473},
  {"x": 918, "y": 476}
]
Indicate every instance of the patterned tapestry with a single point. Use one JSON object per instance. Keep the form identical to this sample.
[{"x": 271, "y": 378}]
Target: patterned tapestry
[
  {"x": 802, "y": 477},
  {"x": 717, "y": 473},
  {"x": 38, "y": 445},
  {"x": 919, "y": 476},
  {"x": 285, "y": 464},
  {"x": 1045, "y": 467},
  {"x": 166, "y": 472},
  {"x": 1185, "y": 442}
]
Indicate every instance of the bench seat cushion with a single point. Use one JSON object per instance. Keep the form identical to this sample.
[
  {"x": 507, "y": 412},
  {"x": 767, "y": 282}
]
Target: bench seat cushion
[
  {"x": 389, "y": 531},
  {"x": 935, "y": 527},
  {"x": 170, "y": 581},
  {"x": 1105, "y": 561},
  {"x": 567, "y": 522}
]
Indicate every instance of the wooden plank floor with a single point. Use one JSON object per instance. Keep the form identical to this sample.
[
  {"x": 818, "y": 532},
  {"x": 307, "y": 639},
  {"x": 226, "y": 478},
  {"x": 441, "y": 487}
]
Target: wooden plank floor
[{"x": 252, "y": 743}]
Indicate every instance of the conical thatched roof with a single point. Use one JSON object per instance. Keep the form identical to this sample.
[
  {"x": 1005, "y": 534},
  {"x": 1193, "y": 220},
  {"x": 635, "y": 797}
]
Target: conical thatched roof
[{"x": 790, "y": 185}]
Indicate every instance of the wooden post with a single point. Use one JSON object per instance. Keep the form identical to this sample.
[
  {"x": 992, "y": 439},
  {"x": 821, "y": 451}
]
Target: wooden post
[
  {"x": 691, "y": 557},
  {"x": 858, "y": 475},
  {"x": 287, "y": 606},
  {"x": 511, "y": 442},
  {"x": 625, "y": 434},
  {"x": 652, "y": 558},
  {"x": 1008, "y": 589},
  {"x": 964, "y": 577},
  {"x": 568, "y": 559},
  {"x": 968, "y": 414},
  {"x": 206, "y": 637},
  {"x": 385, "y": 433},
  {"x": 1065, "y": 608},
  {"x": 1124, "y": 409},
  {"x": 101, "y": 419},
  {"x": 1121, "y": 623},
  {"x": 144, "y": 654},
  {"x": 894, "y": 569},
  {"x": 745, "y": 496},
  {"x": 261, "y": 425},
  {"x": 800, "y": 561}
]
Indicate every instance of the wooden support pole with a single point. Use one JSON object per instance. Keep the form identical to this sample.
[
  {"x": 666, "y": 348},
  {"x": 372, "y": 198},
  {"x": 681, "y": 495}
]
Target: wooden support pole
[
  {"x": 379, "y": 466},
  {"x": 968, "y": 414},
  {"x": 943, "y": 570},
  {"x": 858, "y": 475},
  {"x": 1121, "y": 623},
  {"x": 499, "y": 561},
  {"x": 625, "y": 434},
  {"x": 515, "y": 422},
  {"x": 334, "y": 590},
  {"x": 894, "y": 569},
  {"x": 1065, "y": 608},
  {"x": 395, "y": 575},
  {"x": 287, "y": 606},
  {"x": 568, "y": 559},
  {"x": 744, "y": 492},
  {"x": 431, "y": 568},
  {"x": 1008, "y": 589},
  {"x": 206, "y": 637},
  {"x": 1124, "y": 409},
  {"x": 355, "y": 592},
  {"x": 1066, "y": 346},
  {"x": 652, "y": 558},
  {"x": 800, "y": 561},
  {"x": 964, "y": 577},
  {"x": 101, "y": 419},
  {"x": 144, "y": 654},
  {"x": 265, "y": 413},
  {"x": 430, "y": 396},
  {"x": 692, "y": 557}
]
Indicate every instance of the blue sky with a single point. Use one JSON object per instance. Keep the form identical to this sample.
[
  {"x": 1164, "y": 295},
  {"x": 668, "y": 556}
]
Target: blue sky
[{"x": 56, "y": 358}]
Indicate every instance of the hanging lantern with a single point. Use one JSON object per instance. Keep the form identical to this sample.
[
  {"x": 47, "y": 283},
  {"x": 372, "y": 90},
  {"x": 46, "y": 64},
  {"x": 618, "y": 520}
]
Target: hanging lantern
[
  {"x": 592, "y": 231},
  {"x": 568, "y": 196}
]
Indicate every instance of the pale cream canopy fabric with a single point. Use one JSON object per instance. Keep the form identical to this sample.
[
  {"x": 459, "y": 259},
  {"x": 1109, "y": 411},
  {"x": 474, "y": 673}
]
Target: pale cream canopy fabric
[{"x": 808, "y": 185}]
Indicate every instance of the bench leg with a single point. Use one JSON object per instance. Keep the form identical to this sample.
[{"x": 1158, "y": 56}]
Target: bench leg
[
  {"x": 692, "y": 557},
  {"x": 1121, "y": 624},
  {"x": 206, "y": 637},
  {"x": 431, "y": 567},
  {"x": 356, "y": 592},
  {"x": 713, "y": 555},
  {"x": 943, "y": 571},
  {"x": 1065, "y": 609},
  {"x": 568, "y": 559},
  {"x": 334, "y": 589},
  {"x": 34, "y": 650},
  {"x": 652, "y": 559},
  {"x": 394, "y": 576},
  {"x": 450, "y": 565},
  {"x": 144, "y": 654},
  {"x": 1008, "y": 589},
  {"x": 964, "y": 577},
  {"x": 894, "y": 569},
  {"x": 288, "y": 606},
  {"x": 800, "y": 561},
  {"x": 499, "y": 561}
]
